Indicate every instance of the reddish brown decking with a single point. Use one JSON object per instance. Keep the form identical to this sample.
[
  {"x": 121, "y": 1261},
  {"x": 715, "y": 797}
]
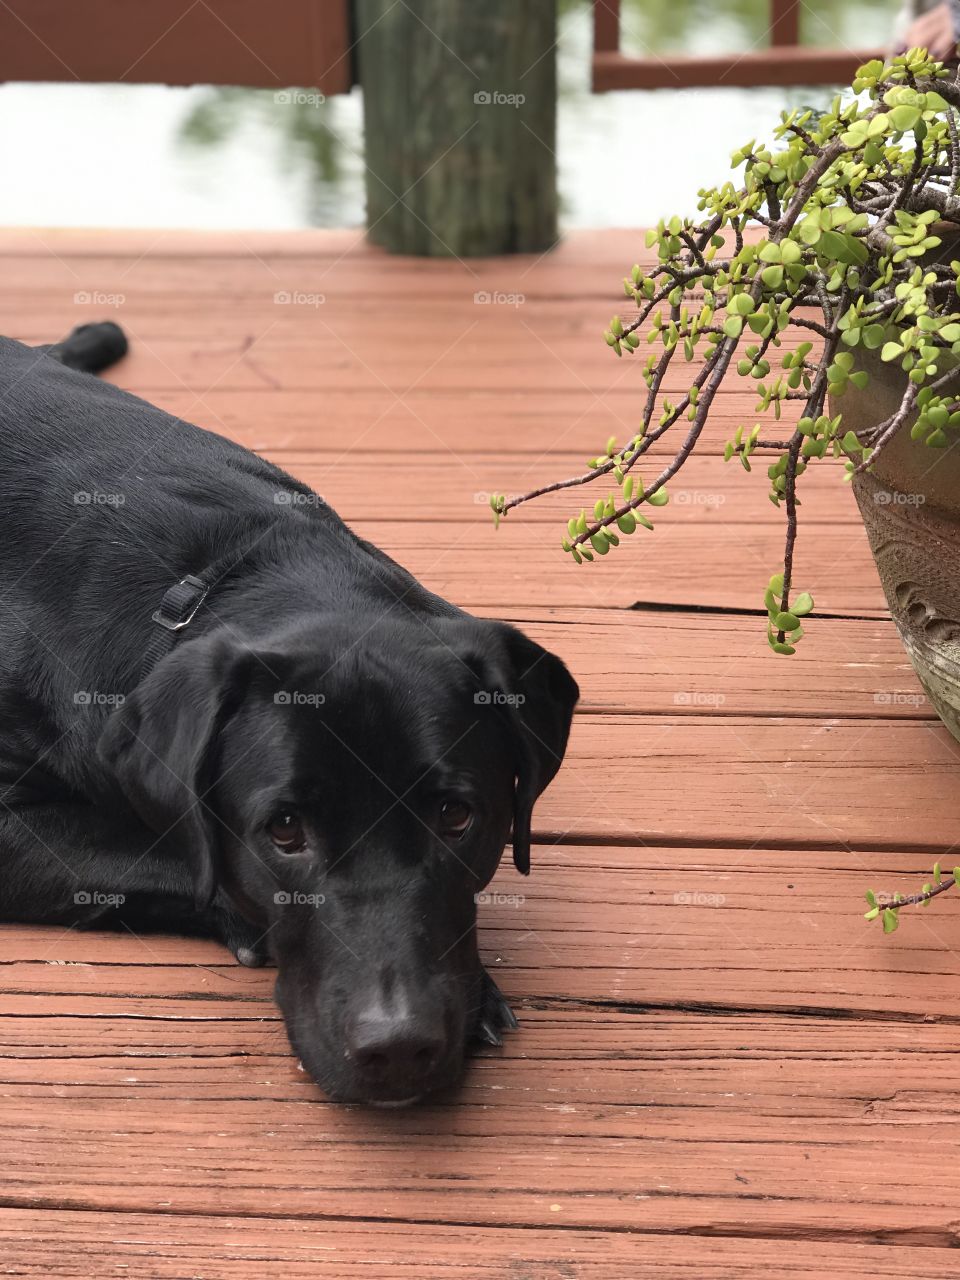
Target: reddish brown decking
[{"x": 721, "y": 1071}]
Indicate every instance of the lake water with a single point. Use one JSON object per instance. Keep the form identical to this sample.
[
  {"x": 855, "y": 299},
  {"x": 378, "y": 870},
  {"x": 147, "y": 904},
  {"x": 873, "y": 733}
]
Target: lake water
[{"x": 153, "y": 156}]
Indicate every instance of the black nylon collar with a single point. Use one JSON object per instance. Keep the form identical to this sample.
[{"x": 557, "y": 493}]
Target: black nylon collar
[
  {"x": 181, "y": 602},
  {"x": 177, "y": 609}
]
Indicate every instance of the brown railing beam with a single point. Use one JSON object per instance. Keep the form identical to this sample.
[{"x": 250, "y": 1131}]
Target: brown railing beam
[
  {"x": 784, "y": 62},
  {"x": 303, "y": 43},
  {"x": 780, "y": 66}
]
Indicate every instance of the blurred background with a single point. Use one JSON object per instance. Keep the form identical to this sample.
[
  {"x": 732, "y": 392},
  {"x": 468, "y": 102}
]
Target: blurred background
[{"x": 215, "y": 157}]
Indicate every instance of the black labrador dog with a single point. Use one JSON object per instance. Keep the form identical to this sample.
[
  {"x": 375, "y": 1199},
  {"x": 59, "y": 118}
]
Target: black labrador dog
[{"x": 223, "y": 713}]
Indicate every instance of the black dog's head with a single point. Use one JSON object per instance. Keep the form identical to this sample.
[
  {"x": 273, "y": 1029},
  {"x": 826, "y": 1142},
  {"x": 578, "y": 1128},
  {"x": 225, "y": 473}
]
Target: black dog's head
[{"x": 351, "y": 788}]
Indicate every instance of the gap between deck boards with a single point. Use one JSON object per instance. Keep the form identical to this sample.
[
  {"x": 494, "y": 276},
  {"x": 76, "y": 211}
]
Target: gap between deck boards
[{"x": 918, "y": 1237}]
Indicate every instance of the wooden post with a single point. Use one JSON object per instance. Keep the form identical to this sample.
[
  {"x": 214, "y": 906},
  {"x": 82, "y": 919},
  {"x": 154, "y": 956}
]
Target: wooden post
[
  {"x": 785, "y": 22},
  {"x": 460, "y": 105},
  {"x": 606, "y": 26}
]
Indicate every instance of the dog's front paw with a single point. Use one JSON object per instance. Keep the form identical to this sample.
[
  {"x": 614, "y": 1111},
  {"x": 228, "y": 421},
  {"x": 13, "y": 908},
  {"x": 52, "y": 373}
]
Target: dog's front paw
[
  {"x": 494, "y": 1015},
  {"x": 247, "y": 941}
]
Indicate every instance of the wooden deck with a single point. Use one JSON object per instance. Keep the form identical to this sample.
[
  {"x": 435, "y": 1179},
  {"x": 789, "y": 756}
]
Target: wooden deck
[{"x": 721, "y": 1071}]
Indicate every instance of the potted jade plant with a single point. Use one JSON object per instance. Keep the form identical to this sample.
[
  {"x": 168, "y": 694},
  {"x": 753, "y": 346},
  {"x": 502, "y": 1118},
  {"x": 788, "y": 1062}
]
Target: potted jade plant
[{"x": 843, "y": 237}]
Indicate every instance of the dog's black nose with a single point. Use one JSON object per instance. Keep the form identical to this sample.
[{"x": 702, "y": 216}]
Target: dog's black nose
[{"x": 386, "y": 1049}]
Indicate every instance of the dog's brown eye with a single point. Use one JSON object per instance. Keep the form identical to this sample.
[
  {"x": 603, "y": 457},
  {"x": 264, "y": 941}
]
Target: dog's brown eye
[
  {"x": 286, "y": 832},
  {"x": 454, "y": 818}
]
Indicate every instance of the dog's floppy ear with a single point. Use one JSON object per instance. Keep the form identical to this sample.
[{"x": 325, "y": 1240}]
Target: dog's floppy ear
[
  {"x": 536, "y": 694},
  {"x": 160, "y": 746},
  {"x": 549, "y": 694}
]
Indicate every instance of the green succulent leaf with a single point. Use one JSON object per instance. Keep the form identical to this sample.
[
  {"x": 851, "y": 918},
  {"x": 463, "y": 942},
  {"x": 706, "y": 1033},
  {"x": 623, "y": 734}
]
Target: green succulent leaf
[
  {"x": 786, "y": 621},
  {"x": 904, "y": 117}
]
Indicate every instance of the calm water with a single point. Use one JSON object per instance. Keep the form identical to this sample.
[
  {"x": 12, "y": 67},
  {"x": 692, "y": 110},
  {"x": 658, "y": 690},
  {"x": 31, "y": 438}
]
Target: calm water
[{"x": 118, "y": 155}]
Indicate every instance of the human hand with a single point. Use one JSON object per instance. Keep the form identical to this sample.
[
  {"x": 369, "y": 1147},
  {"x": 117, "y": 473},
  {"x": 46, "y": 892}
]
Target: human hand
[{"x": 933, "y": 31}]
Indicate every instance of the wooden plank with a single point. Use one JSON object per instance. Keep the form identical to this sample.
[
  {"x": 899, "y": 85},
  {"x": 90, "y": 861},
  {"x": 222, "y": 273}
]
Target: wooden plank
[
  {"x": 335, "y": 363},
  {"x": 596, "y": 931},
  {"x": 342, "y": 323},
  {"x": 41, "y": 315},
  {"x": 165, "y": 1246},
  {"x": 732, "y": 780},
  {"x": 718, "y": 1120},
  {"x": 691, "y": 664},
  {"x": 357, "y": 269},
  {"x": 523, "y": 363},
  {"x": 135, "y": 249},
  {"x": 295, "y": 42},
  {"x": 456, "y": 487},
  {"x": 163, "y": 263},
  {"x": 602, "y": 1065},
  {"x": 675, "y": 1122},
  {"x": 338, "y": 361},
  {"x": 410, "y": 419},
  {"x": 678, "y": 564}
]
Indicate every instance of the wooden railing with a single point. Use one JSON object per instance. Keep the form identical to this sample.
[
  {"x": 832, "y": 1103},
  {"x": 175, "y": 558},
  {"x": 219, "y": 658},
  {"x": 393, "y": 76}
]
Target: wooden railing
[
  {"x": 244, "y": 42},
  {"x": 785, "y": 61}
]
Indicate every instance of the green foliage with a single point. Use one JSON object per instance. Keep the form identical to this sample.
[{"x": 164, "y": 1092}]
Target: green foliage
[
  {"x": 848, "y": 205},
  {"x": 887, "y": 910},
  {"x": 783, "y": 629}
]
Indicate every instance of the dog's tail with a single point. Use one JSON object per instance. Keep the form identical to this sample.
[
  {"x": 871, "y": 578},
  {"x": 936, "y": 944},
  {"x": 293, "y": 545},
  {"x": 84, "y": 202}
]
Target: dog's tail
[{"x": 91, "y": 347}]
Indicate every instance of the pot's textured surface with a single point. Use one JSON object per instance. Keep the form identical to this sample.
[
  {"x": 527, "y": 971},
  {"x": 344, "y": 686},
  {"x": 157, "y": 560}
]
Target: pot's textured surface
[
  {"x": 911, "y": 509},
  {"x": 917, "y": 550}
]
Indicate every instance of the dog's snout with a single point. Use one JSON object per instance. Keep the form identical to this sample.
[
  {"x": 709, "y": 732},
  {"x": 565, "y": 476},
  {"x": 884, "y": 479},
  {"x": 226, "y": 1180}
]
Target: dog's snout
[{"x": 386, "y": 1047}]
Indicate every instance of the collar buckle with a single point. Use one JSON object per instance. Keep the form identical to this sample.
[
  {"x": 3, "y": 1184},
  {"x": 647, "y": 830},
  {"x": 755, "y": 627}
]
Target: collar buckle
[{"x": 181, "y": 602}]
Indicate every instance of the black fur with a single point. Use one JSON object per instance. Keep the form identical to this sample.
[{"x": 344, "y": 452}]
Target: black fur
[{"x": 319, "y": 684}]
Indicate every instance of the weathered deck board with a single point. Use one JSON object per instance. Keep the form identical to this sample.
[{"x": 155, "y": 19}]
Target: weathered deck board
[
  {"x": 731, "y": 779},
  {"x": 595, "y": 927},
  {"x": 681, "y": 663},
  {"x": 734, "y": 562},
  {"x": 451, "y": 363},
  {"x": 455, "y": 487},
  {"x": 168, "y": 1246},
  {"x": 721, "y": 1071},
  {"x": 410, "y": 420},
  {"x": 737, "y": 1124}
]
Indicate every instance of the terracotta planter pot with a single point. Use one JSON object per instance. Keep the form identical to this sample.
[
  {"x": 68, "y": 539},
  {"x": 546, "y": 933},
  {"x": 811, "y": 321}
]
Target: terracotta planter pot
[{"x": 910, "y": 506}]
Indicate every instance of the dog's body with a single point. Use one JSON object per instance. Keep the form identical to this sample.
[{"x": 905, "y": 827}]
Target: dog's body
[{"x": 324, "y": 764}]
